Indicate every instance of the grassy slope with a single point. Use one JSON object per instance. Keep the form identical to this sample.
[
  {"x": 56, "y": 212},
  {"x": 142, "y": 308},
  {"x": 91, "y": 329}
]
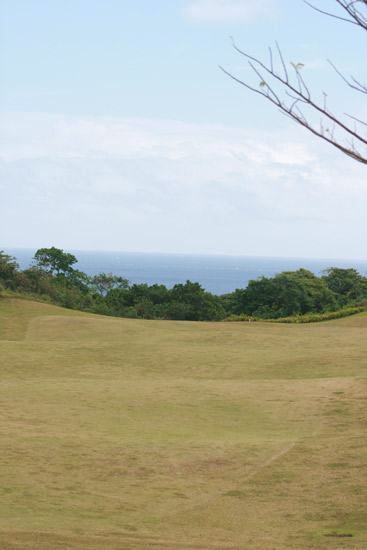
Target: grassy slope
[{"x": 132, "y": 434}]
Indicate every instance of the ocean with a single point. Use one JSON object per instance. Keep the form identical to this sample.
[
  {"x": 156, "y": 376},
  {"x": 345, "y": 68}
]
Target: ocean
[{"x": 216, "y": 274}]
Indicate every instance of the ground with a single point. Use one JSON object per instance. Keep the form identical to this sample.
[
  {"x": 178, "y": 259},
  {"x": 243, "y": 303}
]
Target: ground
[{"x": 133, "y": 434}]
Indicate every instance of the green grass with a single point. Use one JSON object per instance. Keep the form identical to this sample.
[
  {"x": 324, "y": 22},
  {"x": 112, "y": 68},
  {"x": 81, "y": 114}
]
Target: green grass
[{"x": 132, "y": 434}]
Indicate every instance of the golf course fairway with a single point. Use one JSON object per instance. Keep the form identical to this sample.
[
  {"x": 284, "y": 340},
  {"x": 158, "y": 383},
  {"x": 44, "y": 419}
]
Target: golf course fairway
[{"x": 127, "y": 434}]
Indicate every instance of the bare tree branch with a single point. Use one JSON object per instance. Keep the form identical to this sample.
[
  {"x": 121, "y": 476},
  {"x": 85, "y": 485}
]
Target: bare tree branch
[
  {"x": 348, "y": 138},
  {"x": 356, "y": 86},
  {"x": 357, "y": 17}
]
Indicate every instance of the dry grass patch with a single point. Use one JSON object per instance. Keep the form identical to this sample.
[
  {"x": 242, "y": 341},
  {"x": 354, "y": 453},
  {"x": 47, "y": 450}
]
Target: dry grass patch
[{"x": 120, "y": 433}]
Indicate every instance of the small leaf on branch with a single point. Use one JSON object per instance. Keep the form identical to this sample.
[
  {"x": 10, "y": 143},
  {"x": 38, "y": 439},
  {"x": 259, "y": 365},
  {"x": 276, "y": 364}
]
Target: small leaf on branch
[{"x": 297, "y": 66}]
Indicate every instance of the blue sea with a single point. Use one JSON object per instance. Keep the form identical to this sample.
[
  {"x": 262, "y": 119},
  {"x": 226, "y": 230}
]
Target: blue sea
[{"x": 216, "y": 274}]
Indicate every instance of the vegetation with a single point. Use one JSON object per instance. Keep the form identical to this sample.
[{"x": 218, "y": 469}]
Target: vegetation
[
  {"x": 307, "y": 318},
  {"x": 55, "y": 261},
  {"x": 126, "y": 434},
  {"x": 298, "y": 293},
  {"x": 8, "y": 271},
  {"x": 290, "y": 294}
]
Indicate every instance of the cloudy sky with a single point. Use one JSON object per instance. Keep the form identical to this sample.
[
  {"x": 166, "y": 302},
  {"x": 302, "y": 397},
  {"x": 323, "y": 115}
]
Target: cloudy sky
[{"x": 118, "y": 131}]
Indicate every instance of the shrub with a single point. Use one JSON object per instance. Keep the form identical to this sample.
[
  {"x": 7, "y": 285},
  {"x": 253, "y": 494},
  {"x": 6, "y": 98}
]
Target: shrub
[{"x": 318, "y": 317}]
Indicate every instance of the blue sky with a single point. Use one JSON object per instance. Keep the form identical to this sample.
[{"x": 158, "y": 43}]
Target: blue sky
[{"x": 118, "y": 131}]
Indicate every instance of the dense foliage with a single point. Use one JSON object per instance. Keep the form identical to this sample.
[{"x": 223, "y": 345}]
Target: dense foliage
[
  {"x": 298, "y": 293},
  {"x": 289, "y": 295}
]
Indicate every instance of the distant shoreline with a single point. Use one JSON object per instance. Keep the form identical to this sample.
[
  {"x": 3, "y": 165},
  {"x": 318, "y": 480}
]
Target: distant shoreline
[{"x": 216, "y": 274}]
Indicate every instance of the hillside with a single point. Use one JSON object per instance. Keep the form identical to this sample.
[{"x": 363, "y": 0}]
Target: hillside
[{"x": 136, "y": 434}]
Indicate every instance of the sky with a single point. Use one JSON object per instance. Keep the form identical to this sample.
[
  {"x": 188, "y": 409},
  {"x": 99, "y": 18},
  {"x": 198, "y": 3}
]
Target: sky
[{"x": 119, "y": 131}]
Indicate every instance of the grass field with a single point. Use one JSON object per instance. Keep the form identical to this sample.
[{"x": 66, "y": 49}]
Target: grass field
[{"x": 131, "y": 434}]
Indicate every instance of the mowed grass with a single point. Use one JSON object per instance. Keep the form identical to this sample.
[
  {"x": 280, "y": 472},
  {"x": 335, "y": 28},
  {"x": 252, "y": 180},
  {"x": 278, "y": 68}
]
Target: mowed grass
[{"x": 131, "y": 434}]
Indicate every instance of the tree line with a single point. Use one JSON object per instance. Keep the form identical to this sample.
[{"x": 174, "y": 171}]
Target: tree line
[{"x": 53, "y": 277}]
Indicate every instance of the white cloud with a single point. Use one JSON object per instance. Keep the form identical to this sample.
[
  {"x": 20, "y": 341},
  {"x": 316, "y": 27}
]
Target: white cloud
[
  {"x": 228, "y": 11},
  {"x": 88, "y": 182}
]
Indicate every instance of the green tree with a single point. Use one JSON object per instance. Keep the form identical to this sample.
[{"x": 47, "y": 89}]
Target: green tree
[
  {"x": 53, "y": 276},
  {"x": 288, "y": 293},
  {"x": 320, "y": 297},
  {"x": 347, "y": 284},
  {"x": 191, "y": 302},
  {"x": 36, "y": 281},
  {"x": 145, "y": 309},
  {"x": 117, "y": 299},
  {"x": 103, "y": 282},
  {"x": 257, "y": 298},
  {"x": 8, "y": 270},
  {"x": 146, "y": 301},
  {"x": 54, "y": 261}
]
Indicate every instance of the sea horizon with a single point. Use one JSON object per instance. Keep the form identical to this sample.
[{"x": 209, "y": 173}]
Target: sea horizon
[{"x": 217, "y": 273}]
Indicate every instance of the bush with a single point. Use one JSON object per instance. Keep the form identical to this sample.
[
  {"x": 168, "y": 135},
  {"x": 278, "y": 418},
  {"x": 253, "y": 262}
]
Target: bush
[
  {"x": 307, "y": 318},
  {"x": 318, "y": 317}
]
